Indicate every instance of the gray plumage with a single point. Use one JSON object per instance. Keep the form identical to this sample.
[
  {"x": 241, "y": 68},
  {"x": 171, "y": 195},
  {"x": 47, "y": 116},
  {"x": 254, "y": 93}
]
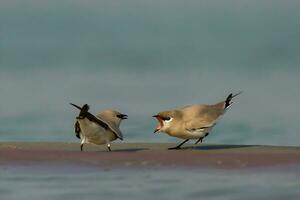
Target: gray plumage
[{"x": 100, "y": 129}]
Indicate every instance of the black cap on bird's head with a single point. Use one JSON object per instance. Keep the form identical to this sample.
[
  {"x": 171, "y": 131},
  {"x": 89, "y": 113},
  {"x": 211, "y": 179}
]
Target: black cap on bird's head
[{"x": 83, "y": 111}]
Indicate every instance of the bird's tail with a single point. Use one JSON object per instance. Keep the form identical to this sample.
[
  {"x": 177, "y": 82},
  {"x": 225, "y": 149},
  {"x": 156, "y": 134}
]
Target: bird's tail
[{"x": 228, "y": 101}]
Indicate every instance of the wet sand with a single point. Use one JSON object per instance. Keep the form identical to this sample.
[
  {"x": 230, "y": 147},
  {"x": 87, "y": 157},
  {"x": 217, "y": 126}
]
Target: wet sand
[{"x": 151, "y": 155}]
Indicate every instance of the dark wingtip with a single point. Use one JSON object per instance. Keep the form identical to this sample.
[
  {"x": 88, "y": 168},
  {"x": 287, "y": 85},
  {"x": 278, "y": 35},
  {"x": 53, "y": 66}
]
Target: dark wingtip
[
  {"x": 237, "y": 94},
  {"x": 75, "y": 106},
  {"x": 85, "y": 107},
  {"x": 229, "y": 98}
]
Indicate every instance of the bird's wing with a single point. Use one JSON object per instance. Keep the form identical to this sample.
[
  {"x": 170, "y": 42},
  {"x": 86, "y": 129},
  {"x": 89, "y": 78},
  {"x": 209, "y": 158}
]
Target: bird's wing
[
  {"x": 116, "y": 130},
  {"x": 96, "y": 120},
  {"x": 205, "y": 113},
  {"x": 199, "y": 125},
  {"x": 203, "y": 117},
  {"x": 77, "y": 129},
  {"x": 105, "y": 125}
]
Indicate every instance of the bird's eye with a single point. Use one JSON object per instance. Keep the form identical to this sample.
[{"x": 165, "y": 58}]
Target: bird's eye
[{"x": 167, "y": 119}]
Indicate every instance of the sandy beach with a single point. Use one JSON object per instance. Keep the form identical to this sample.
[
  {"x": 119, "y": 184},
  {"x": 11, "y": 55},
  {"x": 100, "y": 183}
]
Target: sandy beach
[
  {"x": 52, "y": 170},
  {"x": 152, "y": 155}
]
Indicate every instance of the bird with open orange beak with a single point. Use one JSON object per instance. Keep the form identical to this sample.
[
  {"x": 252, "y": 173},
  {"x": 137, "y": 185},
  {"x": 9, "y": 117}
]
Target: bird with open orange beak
[{"x": 192, "y": 122}]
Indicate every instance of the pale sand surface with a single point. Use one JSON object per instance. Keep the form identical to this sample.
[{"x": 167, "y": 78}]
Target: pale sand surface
[{"x": 149, "y": 155}]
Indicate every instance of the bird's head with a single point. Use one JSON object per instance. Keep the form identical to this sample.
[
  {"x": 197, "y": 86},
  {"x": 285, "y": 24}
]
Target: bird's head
[
  {"x": 112, "y": 116},
  {"x": 166, "y": 120}
]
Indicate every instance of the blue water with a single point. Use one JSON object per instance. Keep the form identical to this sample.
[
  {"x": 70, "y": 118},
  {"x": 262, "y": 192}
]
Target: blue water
[
  {"x": 141, "y": 57},
  {"x": 148, "y": 184}
]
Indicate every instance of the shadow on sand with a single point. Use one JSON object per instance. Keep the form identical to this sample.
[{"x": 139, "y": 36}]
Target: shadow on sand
[
  {"x": 218, "y": 147},
  {"x": 129, "y": 150},
  {"x": 199, "y": 147}
]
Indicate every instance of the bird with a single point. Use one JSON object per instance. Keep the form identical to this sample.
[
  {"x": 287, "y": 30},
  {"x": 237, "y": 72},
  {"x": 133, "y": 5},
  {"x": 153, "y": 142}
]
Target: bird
[
  {"x": 100, "y": 129},
  {"x": 192, "y": 121}
]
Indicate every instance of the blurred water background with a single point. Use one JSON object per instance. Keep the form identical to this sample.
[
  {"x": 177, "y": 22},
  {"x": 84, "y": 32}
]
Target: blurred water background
[
  {"x": 141, "y": 57},
  {"x": 148, "y": 185}
]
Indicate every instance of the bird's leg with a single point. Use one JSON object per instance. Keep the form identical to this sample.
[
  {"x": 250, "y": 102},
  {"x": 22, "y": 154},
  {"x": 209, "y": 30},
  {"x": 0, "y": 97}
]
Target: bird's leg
[
  {"x": 178, "y": 147},
  {"x": 81, "y": 147},
  {"x": 108, "y": 146},
  {"x": 199, "y": 140}
]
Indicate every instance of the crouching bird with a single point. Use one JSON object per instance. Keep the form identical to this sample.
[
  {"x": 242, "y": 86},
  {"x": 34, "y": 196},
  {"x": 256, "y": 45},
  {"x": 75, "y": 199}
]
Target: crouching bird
[
  {"x": 100, "y": 129},
  {"x": 192, "y": 122}
]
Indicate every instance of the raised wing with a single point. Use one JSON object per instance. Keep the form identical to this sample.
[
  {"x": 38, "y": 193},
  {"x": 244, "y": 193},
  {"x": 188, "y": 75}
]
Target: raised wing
[
  {"x": 100, "y": 122},
  {"x": 116, "y": 131},
  {"x": 96, "y": 120},
  {"x": 105, "y": 125},
  {"x": 77, "y": 129}
]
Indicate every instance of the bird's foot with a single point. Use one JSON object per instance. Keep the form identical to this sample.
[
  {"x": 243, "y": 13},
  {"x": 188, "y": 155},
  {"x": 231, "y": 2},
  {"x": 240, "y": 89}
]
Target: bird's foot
[
  {"x": 178, "y": 146},
  {"x": 200, "y": 140},
  {"x": 174, "y": 148},
  {"x": 108, "y": 147}
]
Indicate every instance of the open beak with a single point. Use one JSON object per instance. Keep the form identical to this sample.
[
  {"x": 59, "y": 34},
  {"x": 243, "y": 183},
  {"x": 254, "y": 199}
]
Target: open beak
[
  {"x": 122, "y": 116},
  {"x": 160, "y": 123}
]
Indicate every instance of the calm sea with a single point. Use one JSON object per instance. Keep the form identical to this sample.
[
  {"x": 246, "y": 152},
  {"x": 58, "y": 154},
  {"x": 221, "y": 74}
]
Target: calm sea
[
  {"x": 147, "y": 184},
  {"x": 141, "y": 57}
]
